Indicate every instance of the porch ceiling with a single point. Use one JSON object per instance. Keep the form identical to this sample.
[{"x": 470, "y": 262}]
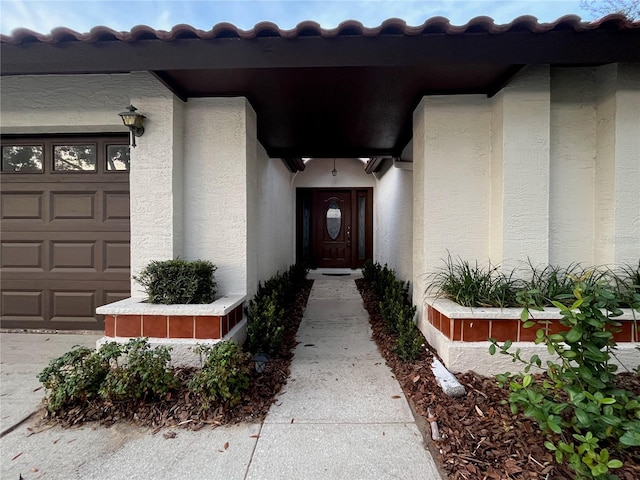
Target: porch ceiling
[{"x": 345, "y": 92}]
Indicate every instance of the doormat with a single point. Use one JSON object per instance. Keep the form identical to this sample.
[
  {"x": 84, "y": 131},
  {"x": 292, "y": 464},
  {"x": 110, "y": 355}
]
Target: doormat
[{"x": 337, "y": 274}]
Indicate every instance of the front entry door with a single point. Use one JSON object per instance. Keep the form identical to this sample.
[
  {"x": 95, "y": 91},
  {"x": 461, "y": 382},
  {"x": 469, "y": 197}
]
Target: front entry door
[{"x": 333, "y": 228}]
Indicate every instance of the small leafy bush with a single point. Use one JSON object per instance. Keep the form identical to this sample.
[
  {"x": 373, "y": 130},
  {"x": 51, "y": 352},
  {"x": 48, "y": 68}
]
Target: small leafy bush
[
  {"x": 396, "y": 309},
  {"x": 224, "y": 374},
  {"x": 178, "y": 281},
  {"x": 410, "y": 340},
  {"x": 266, "y": 312},
  {"x": 265, "y": 329},
  {"x": 76, "y": 376},
  {"x": 586, "y": 416},
  {"x": 142, "y": 374}
]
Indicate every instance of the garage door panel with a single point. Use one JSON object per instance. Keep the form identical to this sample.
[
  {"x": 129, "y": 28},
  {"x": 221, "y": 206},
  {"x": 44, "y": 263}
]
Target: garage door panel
[
  {"x": 22, "y": 256},
  {"x": 73, "y": 305},
  {"x": 116, "y": 206},
  {"x": 22, "y": 205},
  {"x": 73, "y": 206},
  {"x": 73, "y": 257},
  {"x": 117, "y": 257},
  {"x": 25, "y": 305}
]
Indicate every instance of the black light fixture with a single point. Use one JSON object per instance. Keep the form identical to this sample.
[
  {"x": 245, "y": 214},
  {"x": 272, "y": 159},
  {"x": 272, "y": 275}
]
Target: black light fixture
[
  {"x": 334, "y": 172},
  {"x": 133, "y": 120},
  {"x": 260, "y": 361}
]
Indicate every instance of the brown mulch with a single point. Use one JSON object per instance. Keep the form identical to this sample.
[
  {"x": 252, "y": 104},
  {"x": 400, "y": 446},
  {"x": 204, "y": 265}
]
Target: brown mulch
[
  {"x": 181, "y": 408},
  {"x": 481, "y": 438}
]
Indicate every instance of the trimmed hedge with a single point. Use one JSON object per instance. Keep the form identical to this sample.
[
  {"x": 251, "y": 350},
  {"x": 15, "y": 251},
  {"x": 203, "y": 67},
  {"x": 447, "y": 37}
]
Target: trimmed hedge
[{"x": 179, "y": 281}]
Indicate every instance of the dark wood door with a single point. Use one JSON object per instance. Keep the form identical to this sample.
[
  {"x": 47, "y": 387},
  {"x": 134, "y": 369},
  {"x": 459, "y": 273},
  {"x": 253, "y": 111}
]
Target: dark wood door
[{"x": 333, "y": 229}]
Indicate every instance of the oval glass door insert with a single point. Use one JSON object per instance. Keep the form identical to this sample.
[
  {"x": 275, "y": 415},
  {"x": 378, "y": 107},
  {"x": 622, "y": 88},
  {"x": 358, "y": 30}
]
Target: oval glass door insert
[{"x": 334, "y": 220}]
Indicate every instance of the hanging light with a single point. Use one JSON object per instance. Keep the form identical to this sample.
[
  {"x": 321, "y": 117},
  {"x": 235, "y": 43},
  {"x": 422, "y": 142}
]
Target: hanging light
[
  {"x": 334, "y": 172},
  {"x": 133, "y": 120}
]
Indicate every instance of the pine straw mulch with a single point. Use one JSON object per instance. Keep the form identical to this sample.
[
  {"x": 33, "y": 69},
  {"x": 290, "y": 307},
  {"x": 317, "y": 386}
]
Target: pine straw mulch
[
  {"x": 481, "y": 438},
  {"x": 181, "y": 408}
]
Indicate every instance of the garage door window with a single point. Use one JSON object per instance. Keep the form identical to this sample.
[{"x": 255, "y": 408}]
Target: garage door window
[
  {"x": 22, "y": 158},
  {"x": 74, "y": 158},
  {"x": 117, "y": 158}
]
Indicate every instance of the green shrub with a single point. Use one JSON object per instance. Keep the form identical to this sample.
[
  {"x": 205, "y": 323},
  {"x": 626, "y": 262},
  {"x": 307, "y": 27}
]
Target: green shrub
[
  {"x": 473, "y": 286},
  {"x": 265, "y": 328},
  {"x": 223, "y": 376},
  {"x": 142, "y": 373},
  {"x": 76, "y": 376},
  {"x": 396, "y": 309},
  {"x": 410, "y": 340},
  {"x": 395, "y": 305},
  {"x": 178, "y": 281},
  {"x": 370, "y": 270},
  {"x": 265, "y": 314},
  {"x": 578, "y": 401}
]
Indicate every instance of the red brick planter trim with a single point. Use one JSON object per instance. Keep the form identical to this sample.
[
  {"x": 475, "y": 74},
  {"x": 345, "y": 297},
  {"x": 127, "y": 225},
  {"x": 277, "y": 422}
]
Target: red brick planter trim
[
  {"x": 464, "y": 324},
  {"x": 134, "y": 318}
]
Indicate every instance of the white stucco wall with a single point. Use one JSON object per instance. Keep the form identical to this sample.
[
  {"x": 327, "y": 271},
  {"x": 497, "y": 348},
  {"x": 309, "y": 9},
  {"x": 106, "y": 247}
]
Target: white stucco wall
[
  {"x": 317, "y": 174},
  {"x": 220, "y": 189},
  {"x": 393, "y": 211},
  {"x": 156, "y": 177},
  {"x": 64, "y": 103},
  {"x": 571, "y": 192},
  {"x": 451, "y": 181},
  {"x": 525, "y": 149},
  {"x": 275, "y": 216},
  {"x": 627, "y": 167}
]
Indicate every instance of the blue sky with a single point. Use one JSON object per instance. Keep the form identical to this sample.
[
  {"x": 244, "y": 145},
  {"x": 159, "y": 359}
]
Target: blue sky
[{"x": 44, "y": 15}]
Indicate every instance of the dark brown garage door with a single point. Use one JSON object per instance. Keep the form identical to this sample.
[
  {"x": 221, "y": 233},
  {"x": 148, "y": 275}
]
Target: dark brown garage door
[{"x": 65, "y": 230}]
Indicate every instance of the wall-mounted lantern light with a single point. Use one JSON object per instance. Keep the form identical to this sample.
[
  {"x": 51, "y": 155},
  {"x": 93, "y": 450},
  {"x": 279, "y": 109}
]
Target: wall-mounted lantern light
[
  {"x": 133, "y": 120},
  {"x": 334, "y": 172}
]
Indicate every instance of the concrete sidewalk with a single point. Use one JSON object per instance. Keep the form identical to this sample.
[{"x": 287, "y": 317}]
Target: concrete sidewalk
[{"x": 341, "y": 415}]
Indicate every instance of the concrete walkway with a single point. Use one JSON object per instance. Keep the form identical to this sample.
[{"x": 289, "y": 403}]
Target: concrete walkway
[{"x": 341, "y": 415}]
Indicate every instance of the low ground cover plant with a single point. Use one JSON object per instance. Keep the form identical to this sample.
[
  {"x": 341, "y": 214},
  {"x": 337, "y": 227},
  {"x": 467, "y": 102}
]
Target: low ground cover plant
[
  {"x": 138, "y": 372},
  {"x": 470, "y": 285},
  {"x": 117, "y": 372},
  {"x": 224, "y": 374},
  {"x": 588, "y": 419},
  {"x": 395, "y": 306},
  {"x": 178, "y": 281}
]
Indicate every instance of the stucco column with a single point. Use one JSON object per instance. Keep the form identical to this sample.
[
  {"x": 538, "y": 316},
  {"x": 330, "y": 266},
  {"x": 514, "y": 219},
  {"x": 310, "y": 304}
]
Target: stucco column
[
  {"x": 221, "y": 190},
  {"x": 617, "y": 206},
  {"x": 520, "y": 169},
  {"x": 156, "y": 176},
  {"x": 451, "y": 182}
]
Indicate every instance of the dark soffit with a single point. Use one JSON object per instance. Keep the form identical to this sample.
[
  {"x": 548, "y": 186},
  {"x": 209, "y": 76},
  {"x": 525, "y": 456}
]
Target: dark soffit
[{"x": 348, "y": 91}]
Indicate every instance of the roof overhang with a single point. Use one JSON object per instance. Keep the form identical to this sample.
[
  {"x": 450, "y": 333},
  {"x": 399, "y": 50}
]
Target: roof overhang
[{"x": 346, "y": 92}]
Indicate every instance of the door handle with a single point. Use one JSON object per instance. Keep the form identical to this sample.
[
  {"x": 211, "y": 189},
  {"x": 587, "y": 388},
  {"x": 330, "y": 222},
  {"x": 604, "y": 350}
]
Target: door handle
[{"x": 348, "y": 235}]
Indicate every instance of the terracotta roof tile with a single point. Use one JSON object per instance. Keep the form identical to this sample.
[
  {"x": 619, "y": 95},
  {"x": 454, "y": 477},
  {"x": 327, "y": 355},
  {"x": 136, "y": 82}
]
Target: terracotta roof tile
[{"x": 392, "y": 26}]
